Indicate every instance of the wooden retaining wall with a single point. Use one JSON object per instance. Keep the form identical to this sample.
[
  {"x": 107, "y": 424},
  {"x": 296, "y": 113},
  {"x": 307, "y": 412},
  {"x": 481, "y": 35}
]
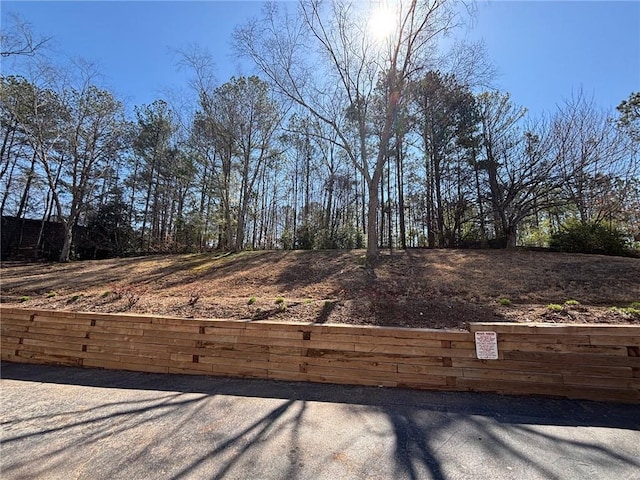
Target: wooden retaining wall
[{"x": 597, "y": 362}]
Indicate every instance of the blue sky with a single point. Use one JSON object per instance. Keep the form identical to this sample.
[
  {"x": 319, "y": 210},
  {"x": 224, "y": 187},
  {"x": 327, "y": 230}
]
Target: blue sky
[{"x": 543, "y": 50}]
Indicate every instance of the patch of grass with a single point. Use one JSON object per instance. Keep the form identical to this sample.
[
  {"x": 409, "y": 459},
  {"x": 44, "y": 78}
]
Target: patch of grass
[
  {"x": 282, "y": 305},
  {"x": 635, "y": 305},
  {"x": 572, "y": 302},
  {"x": 51, "y": 294},
  {"x": 554, "y": 307},
  {"x": 24, "y": 298},
  {"x": 75, "y": 298},
  {"x": 251, "y": 301},
  {"x": 308, "y": 301},
  {"x": 626, "y": 310},
  {"x": 505, "y": 302}
]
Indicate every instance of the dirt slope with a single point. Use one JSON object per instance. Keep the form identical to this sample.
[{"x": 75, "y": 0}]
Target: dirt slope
[{"x": 426, "y": 288}]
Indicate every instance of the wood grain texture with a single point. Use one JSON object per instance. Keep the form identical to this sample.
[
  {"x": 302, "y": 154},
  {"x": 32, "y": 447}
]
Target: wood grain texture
[{"x": 597, "y": 362}]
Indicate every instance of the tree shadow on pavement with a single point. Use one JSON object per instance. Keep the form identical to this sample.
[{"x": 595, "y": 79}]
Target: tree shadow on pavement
[{"x": 427, "y": 431}]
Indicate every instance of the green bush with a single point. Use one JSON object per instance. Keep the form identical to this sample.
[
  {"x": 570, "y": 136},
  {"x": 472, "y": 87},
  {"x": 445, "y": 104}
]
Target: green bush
[{"x": 577, "y": 237}]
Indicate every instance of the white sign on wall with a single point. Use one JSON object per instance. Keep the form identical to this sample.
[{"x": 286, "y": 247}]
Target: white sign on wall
[{"x": 487, "y": 345}]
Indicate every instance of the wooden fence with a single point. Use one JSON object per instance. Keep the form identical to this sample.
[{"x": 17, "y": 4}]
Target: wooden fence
[{"x": 598, "y": 362}]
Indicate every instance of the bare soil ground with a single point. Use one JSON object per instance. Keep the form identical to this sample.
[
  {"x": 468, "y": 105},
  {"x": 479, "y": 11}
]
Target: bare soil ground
[{"x": 417, "y": 288}]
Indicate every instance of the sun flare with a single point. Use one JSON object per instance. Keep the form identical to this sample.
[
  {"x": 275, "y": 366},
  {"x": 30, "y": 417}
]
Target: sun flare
[{"x": 382, "y": 22}]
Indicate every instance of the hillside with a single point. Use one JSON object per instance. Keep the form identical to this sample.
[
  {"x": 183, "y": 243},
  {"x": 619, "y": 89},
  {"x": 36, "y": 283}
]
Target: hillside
[{"x": 422, "y": 288}]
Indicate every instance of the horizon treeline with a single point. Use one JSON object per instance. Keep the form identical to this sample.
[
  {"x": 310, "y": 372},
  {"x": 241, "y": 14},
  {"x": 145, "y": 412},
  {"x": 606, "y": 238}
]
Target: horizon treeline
[{"x": 426, "y": 157}]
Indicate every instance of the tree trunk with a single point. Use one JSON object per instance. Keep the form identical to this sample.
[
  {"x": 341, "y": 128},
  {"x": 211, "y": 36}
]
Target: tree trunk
[
  {"x": 65, "y": 254},
  {"x": 372, "y": 216}
]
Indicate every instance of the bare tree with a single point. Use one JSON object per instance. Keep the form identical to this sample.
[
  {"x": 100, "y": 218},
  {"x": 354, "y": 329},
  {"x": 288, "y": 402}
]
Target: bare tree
[
  {"x": 327, "y": 62},
  {"x": 522, "y": 176},
  {"x": 18, "y": 39},
  {"x": 593, "y": 154}
]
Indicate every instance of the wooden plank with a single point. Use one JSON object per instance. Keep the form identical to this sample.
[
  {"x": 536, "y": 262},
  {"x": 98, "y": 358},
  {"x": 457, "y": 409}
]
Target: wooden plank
[
  {"x": 428, "y": 370},
  {"x": 50, "y": 350},
  {"x": 536, "y": 338},
  {"x": 557, "y": 329},
  {"x": 211, "y": 348},
  {"x": 201, "y": 322},
  {"x": 397, "y": 332},
  {"x": 16, "y": 321},
  {"x": 115, "y": 365},
  {"x": 416, "y": 381},
  {"x": 419, "y": 352},
  {"x": 50, "y": 359},
  {"x": 97, "y": 338},
  {"x": 159, "y": 335},
  {"x": 182, "y": 354},
  {"x": 561, "y": 368},
  {"x": 234, "y": 370},
  {"x": 108, "y": 325},
  {"x": 351, "y": 374},
  {"x": 116, "y": 318},
  {"x": 374, "y": 340},
  {"x": 259, "y": 327},
  {"x": 523, "y": 388},
  {"x": 189, "y": 371},
  {"x": 296, "y": 343},
  {"x": 119, "y": 329},
  {"x": 591, "y": 381},
  {"x": 11, "y": 357},
  {"x": 75, "y": 346},
  {"x": 574, "y": 358},
  {"x": 223, "y": 331},
  {"x": 8, "y": 341},
  {"x": 123, "y": 350},
  {"x": 335, "y": 362},
  {"x": 559, "y": 348},
  {"x": 378, "y": 357},
  {"x": 58, "y": 325},
  {"x": 53, "y": 317},
  {"x": 630, "y": 341},
  {"x": 415, "y": 351},
  {"x": 279, "y": 350},
  {"x": 13, "y": 329},
  {"x": 307, "y": 377},
  {"x": 506, "y": 375},
  {"x": 20, "y": 316},
  {"x": 43, "y": 332}
]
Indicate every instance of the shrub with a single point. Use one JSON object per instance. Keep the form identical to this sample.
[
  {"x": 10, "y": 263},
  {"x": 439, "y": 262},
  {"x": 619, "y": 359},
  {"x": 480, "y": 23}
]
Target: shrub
[
  {"x": 625, "y": 310},
  {"x": 131, "y": 293},
  {"x": 572, "y": 302},
  {"x": 24, "y": 298},
  {"x": 554, "y": 307},
  {"x": 281, "y": 303},
  {"x": 251, "y": 301},
  {"x": 578, "y": 237},
  {"x": 194, "y": 296},
  {"x": 51, "y": 294},
  {"x": 505, "y": 302}
]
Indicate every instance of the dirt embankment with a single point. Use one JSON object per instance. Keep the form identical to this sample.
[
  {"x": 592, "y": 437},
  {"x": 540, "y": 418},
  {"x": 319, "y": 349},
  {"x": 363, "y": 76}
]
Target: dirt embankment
[{"x": 420, "y": 288}]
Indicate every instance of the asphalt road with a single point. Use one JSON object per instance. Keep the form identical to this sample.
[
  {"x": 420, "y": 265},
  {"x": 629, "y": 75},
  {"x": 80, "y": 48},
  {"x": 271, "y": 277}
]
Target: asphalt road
[{"x": 67, "y": 423}]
